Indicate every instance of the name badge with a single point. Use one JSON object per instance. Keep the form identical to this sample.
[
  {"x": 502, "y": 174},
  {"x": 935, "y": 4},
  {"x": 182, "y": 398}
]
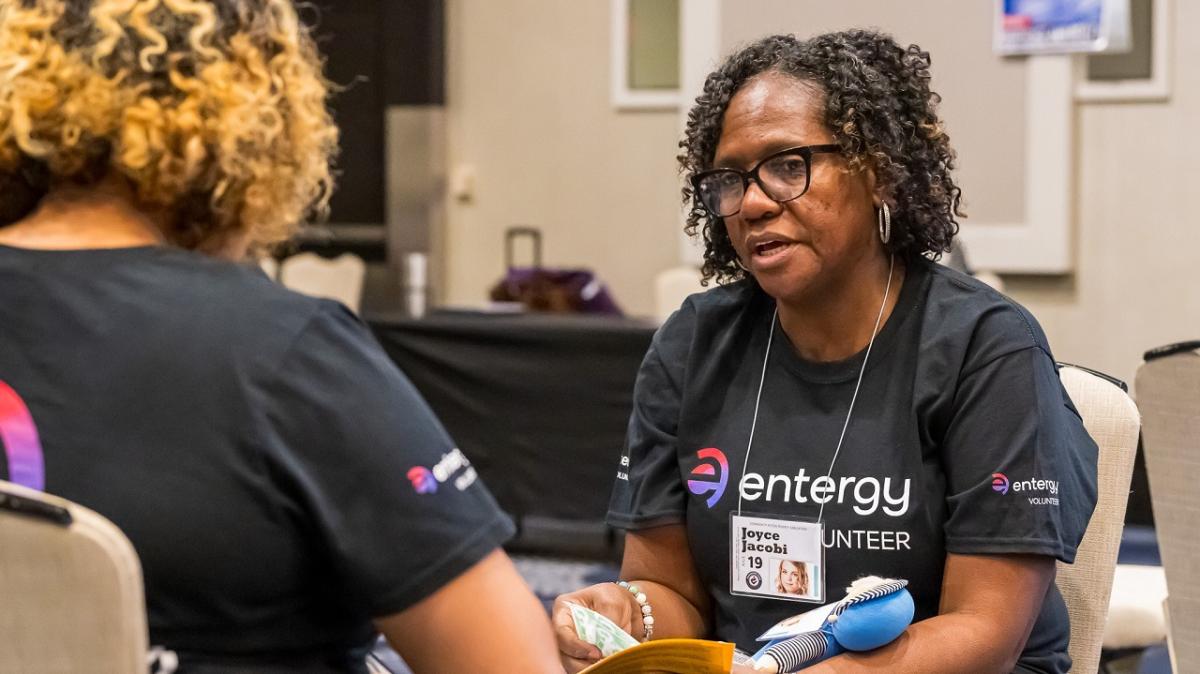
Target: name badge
[{"x": 776, "y": 558}]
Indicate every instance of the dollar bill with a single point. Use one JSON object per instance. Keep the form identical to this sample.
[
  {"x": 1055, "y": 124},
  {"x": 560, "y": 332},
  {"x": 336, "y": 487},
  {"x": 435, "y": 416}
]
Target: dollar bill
[{"x": 600, "y": 631}]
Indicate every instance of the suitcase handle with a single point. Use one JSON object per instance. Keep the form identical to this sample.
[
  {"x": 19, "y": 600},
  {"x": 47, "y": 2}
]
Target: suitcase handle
[{"x": 514, "y": 233}]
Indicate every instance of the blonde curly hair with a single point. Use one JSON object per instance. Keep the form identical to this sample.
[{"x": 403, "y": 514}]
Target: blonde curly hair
[{"x": 213, "y": 110}]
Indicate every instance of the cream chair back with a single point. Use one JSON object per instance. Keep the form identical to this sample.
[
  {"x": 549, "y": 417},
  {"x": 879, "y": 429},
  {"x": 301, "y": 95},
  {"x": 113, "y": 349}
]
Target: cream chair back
[
  {"x": 1168, "y": 391},
  {"x": 71, "y": 597},
  {"x": 1111, "y": 418},
  {"x": 340, "y": 279}
]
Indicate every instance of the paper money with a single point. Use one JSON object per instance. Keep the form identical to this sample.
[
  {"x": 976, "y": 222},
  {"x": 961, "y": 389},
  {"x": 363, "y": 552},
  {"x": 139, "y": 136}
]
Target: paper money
[{"x": 600, "y": 631}]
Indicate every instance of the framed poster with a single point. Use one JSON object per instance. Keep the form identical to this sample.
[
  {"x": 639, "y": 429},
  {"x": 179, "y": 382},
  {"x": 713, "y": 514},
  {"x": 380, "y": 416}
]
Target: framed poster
[
  {"x": 1061, "y": 26},
  {"x": 645, "y": 54}
]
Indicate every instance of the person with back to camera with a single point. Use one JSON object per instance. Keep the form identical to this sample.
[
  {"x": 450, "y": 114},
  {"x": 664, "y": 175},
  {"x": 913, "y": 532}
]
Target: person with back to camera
[
  {"x": 287, "y": 490},
  {"x": 840, "y": 395}
]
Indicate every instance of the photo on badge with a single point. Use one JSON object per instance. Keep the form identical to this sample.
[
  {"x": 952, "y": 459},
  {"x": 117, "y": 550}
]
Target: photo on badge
[{"x": 794, "y": 578}]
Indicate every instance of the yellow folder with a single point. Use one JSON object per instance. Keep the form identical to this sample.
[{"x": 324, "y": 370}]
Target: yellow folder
[{"x": 669, "y": 656}]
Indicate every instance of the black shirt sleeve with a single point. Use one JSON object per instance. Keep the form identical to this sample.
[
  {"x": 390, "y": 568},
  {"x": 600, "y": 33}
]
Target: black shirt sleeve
[
  {"x": 396, "y": 509},
  {"x": 648, "y": 491},
  {"x": 1020, "y": 467}
]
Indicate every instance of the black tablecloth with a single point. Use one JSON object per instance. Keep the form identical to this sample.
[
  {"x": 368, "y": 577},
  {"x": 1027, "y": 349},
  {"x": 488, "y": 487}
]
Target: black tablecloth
[{"x": 539, "y": 403}]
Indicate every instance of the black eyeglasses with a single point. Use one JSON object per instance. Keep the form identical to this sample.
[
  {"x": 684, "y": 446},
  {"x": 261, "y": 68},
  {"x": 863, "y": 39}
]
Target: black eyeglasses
[{"x": 782, "y": 176}]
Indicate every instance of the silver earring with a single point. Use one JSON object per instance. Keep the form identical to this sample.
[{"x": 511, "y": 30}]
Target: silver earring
[
  {"x": 885, "y": 223},
  {"x": 738, "y": 261}
]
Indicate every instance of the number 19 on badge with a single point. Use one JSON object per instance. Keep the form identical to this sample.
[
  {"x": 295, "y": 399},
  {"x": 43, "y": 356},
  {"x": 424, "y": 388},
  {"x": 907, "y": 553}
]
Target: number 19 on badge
[{"x": 776, "y": 558}]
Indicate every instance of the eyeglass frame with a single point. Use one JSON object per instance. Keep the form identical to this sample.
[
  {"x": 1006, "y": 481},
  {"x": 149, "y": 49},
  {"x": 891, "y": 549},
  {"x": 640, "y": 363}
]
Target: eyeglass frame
[{"x": 805, "y": 151}]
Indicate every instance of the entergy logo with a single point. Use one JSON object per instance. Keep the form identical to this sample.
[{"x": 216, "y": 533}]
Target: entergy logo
[
  {"x": 712, "y": 465},
  {"x": 422, "y": 480},
  {"x": 1000, "y": 483},
  {"x": 452, "y": 463},
  {"x": 19, "y": 436}
]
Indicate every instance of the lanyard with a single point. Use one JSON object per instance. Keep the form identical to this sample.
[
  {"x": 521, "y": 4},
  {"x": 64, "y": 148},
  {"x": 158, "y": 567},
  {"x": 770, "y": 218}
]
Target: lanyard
[{"x": 763, "y": 377}]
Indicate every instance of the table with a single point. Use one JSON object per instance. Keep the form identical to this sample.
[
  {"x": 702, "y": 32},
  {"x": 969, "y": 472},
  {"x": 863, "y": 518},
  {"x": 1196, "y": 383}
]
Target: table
[{"x": 538, "y": 402}]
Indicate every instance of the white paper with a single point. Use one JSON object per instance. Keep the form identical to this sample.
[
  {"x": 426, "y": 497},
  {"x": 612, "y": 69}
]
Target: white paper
[{"x": 810, "y": 621}]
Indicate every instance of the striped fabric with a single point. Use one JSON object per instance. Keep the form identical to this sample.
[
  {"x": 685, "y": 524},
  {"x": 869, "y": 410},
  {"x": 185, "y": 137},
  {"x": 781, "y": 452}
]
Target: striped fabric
[
  {"x": 805, "y": 649},
  {"x": 882, "y": 590},
  {"x": 798, "y": 651}
]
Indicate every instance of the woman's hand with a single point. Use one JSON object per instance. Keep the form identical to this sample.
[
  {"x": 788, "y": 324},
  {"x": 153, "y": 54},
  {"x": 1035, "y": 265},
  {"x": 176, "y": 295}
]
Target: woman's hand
[
  {"x": 659, "y": 562},
  {"x": 609, "y": 600}
]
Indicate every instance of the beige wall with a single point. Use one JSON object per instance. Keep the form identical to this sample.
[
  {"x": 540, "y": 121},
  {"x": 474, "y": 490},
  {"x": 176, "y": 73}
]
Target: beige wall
[{"x": 528, "y": 108}]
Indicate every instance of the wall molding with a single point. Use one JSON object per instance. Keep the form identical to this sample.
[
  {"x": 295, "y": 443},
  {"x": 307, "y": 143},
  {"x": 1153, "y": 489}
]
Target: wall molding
[
  {"x": 1156, "y": 88},
  {"x": 1041, "y": 243}
]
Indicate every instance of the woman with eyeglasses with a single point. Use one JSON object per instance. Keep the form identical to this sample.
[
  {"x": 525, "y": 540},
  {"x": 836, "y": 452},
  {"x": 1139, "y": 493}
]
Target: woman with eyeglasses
[{"x": 839, "y": 399}]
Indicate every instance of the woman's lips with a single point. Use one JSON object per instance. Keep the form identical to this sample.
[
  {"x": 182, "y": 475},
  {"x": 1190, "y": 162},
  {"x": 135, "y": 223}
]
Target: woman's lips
[
  {"x": 769, "y": 248},
  {"x": 772, "y": 254}
]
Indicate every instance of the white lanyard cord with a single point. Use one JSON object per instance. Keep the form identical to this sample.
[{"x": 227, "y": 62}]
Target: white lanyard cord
[
  {"x": 757, "y": 398},
  {"x": 878, "y": 319},
  {"x": 763, "y": 377}
]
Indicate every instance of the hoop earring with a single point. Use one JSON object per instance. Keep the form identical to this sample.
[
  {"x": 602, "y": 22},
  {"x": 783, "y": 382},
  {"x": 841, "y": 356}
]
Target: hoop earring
[
  {"x": 738, "y": 261},
  {"x": 885, "y": 223}
]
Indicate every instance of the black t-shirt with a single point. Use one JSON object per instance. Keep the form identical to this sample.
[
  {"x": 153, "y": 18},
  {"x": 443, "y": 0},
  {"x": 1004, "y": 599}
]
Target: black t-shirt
[
  {"x": 962, "y": 440},
  {"x": 280, "y": 479}
]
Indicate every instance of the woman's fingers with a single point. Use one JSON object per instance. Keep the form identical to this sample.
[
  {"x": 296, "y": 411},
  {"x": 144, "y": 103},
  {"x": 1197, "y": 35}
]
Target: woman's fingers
[
  {"x": 606, "y": 599},
  {"x": 575, "y": 653}
]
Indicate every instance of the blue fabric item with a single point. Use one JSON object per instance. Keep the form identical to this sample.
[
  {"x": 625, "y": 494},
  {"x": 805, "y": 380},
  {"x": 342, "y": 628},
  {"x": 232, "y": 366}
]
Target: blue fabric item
[
  {"x": 860, "y": 624},
  {"x": 874, "y": 623},
  {"x": 832, "y": 647},
  {"x": 1155, "y": 660},
  {"x": 1139, "y": 545}
]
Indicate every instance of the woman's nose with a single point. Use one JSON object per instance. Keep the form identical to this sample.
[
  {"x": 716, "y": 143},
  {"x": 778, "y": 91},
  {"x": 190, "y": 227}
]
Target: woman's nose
[{"x": 756, "y": 204}]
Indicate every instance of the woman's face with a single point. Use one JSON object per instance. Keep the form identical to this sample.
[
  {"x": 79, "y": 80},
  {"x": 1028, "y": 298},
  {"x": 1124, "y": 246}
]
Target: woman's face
[
  {"x": 789, "y": 577},
  {"x": 816, "y": 241}
]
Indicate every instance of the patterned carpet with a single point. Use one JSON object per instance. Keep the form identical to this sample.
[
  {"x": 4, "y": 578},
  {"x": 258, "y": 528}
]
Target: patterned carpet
[{"x": 549, "y": 577}]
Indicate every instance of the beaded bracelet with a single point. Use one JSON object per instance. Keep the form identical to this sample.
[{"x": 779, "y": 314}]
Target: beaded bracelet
[{"x": 644, "y": 604}]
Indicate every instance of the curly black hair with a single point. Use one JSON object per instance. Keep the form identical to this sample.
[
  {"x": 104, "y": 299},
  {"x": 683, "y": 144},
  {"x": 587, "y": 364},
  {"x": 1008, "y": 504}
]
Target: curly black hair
[{"x": 879, "y": 107}]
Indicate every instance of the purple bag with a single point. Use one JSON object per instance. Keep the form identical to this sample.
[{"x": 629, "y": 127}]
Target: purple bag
[{"x": 554, "y": 290}]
